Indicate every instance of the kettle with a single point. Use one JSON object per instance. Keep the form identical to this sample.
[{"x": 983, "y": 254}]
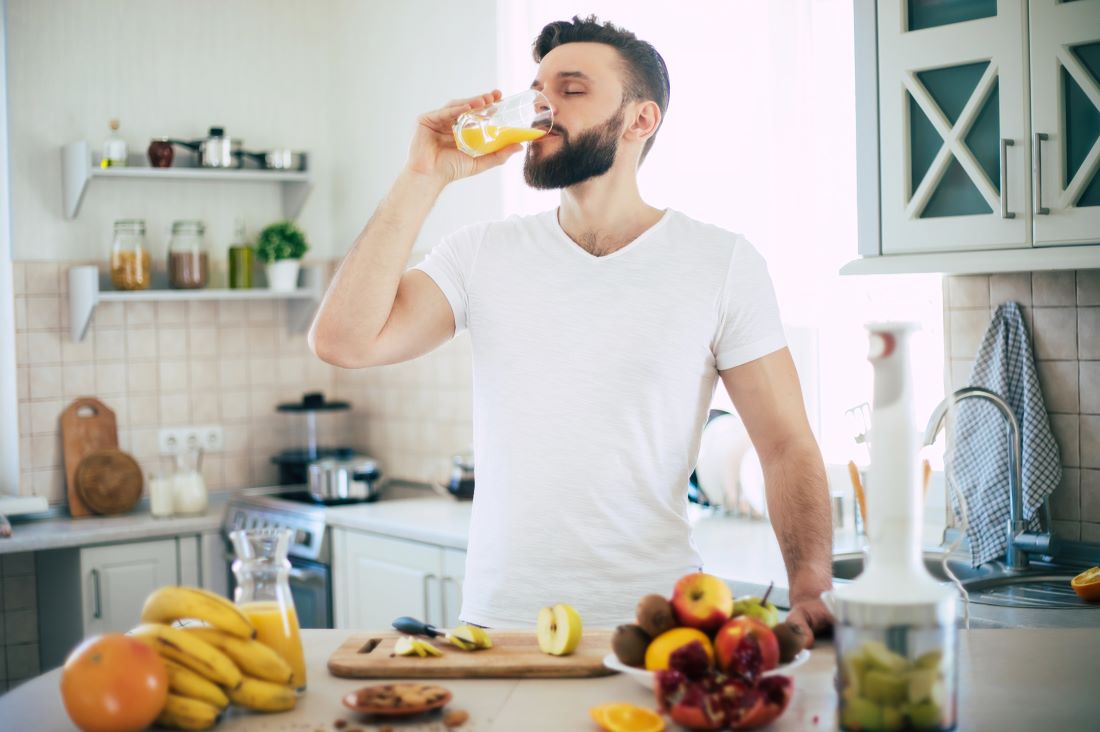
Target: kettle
[{"x": 461, "y": 484}]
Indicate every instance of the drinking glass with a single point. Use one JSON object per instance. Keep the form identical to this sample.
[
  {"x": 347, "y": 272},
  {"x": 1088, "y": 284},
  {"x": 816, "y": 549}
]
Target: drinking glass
[{"x": 521, "y": 117}]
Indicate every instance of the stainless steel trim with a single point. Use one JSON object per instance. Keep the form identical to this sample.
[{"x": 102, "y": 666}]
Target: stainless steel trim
[
  {"x": 1037, "y": 164},
  {"x": 97, "y": 608},
  {"x": 1005, "y": 213}
]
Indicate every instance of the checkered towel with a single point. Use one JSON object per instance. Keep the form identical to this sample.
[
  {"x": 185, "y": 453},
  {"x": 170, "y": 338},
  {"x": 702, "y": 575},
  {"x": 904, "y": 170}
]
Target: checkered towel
[{"x": 979, "y": 445}]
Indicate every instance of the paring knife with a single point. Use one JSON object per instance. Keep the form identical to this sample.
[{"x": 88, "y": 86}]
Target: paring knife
[{"x": 412, "y": 626}]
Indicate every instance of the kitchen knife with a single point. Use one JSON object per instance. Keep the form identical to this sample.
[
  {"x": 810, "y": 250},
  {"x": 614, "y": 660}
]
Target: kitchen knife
[{"x": 412, "y": 626}]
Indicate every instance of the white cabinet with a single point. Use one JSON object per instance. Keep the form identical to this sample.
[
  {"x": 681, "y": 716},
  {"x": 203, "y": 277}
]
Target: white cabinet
[
  {"x": 116, "y": 580},
  {"x": 980, "y": 132},
  {"x": 378, "y": 578}
]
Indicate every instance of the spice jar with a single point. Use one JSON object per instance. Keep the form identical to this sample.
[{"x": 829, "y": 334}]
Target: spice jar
[
  {"x": 130, "y": 265},
  {"x": 187, "y": 265},
  {"x": 160, "y": 152}
]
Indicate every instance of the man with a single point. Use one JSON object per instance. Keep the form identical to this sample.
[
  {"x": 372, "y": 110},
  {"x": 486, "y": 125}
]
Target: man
[{"x": 599, "y": 331}]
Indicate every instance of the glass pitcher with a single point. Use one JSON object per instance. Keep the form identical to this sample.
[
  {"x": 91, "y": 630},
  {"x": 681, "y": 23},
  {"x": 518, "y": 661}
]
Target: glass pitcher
[
  {"x": 263, "y": 594},
  {"x": 189, "y": 495}
]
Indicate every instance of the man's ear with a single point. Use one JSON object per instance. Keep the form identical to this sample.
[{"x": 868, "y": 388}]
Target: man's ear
[{"x": 645, "y": 121}]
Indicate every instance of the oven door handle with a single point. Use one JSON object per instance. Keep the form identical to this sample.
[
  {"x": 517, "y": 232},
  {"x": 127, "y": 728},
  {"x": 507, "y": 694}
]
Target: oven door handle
[{"x": 307, "y": 576}]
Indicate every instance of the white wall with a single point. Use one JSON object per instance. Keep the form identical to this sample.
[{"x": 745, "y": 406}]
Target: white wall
[{"x": 343, "y": 80}]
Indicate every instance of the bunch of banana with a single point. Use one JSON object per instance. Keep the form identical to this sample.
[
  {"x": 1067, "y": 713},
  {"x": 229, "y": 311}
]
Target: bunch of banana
[
  {"x": 182, "y": 712},
  {"x": 252, "y": 657},
  {"x": 172, "y": 603},
  {"x": 263, "y": 696},
  {"x": 407, "y": 645},
  {"x": 470, "y": 638},
  {"x": 187, "y": 649}
]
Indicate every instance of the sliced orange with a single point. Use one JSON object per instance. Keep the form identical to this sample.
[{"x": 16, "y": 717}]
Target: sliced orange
[
  {"x": 1087, "y": 585},
  {"x": 623, "y": 717}
]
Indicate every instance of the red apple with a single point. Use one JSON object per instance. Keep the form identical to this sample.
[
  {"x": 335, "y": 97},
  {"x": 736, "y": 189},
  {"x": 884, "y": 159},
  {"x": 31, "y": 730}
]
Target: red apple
[
  {"x": 746, "y": 647},
  {"x": 702, "y": 601}
]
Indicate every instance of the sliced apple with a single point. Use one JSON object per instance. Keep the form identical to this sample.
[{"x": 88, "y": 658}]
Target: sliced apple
[
  {"x": 470, "y": 638},
  {"x": 558, "y": 630}
]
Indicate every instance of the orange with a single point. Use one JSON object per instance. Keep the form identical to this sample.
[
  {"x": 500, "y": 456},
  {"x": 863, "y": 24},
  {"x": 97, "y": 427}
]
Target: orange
[
  {"x": 623, "y": 717},
  {"x": 1087, "y": 585},
  {"x": 113, "y": 683},
  {"x": 660, "y": 648}
]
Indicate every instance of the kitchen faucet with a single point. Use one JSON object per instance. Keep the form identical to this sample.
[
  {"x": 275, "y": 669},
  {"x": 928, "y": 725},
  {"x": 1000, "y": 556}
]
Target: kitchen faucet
[{"x": 1020, "y": 541}]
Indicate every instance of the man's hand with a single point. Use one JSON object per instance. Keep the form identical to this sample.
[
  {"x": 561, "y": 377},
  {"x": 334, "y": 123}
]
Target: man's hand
[
  {"x": 812, "y": 616},
  {"x": 433, "y": 152}
]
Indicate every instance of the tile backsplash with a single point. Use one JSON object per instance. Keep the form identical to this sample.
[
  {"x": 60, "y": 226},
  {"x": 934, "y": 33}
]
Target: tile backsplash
[
  {"x": 1062, "y": 312},
  {"x": 219, "y": 362}
]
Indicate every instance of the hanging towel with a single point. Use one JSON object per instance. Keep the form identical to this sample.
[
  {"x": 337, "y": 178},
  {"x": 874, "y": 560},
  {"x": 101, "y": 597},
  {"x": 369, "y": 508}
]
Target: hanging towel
[{"x": 979, "y": 445}]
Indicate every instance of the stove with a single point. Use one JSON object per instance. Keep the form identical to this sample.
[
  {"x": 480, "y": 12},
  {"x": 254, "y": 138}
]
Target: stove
[{"x": 310, "y": 551}]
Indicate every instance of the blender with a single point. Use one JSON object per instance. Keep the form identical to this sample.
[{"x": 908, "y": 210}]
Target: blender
[{"x": 895, "y": 637}]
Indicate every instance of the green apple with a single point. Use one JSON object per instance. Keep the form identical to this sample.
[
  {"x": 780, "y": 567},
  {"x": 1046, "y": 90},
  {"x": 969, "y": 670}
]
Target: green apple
[{"x": 764, "y": 611}]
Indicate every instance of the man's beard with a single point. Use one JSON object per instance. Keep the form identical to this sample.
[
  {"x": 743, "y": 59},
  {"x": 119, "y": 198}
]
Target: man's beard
[{"x": 591, "y": 155}]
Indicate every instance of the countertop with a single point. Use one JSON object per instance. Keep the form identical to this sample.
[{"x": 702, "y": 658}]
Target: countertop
[{"x": 1000, "y": 677}]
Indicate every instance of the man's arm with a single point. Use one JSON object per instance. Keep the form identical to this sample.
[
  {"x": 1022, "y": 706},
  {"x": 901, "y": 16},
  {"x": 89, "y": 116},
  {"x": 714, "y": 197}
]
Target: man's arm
[
  {"x": 375, "y": 312},
  {"x": 768, "y": 397}
]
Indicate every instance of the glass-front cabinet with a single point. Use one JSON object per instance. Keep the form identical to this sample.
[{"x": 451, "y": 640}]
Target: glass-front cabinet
[
  {"x": 1065, "y": 120},
  {"x": 989, "y": 123},
  {"x": 953, "y": 115}
]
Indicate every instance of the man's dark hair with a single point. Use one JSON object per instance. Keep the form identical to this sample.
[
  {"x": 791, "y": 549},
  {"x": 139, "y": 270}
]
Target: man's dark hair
[{"x": 646, "y": 74}]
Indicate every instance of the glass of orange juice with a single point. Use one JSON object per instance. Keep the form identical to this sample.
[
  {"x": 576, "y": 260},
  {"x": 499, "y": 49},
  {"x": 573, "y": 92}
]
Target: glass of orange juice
[
  {"x": 263, "y": 594},
  {"x": 521, "y": 117}
]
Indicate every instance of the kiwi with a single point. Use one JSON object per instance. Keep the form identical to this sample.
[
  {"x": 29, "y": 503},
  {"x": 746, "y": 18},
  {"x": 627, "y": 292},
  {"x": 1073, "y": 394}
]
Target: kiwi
[
  {"x": 629, "y": 643},
  {"x": 654, "y": 614},
  {"x": 792, "y": 639}
]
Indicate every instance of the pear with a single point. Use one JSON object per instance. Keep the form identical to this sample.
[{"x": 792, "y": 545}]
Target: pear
[{"x": 759, "y": 608}]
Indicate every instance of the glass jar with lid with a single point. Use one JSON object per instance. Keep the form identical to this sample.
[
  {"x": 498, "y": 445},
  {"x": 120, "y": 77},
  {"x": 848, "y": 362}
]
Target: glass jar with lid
[
  {"x": 187, "y": 258},
  {"x": 130, "y": 264}
]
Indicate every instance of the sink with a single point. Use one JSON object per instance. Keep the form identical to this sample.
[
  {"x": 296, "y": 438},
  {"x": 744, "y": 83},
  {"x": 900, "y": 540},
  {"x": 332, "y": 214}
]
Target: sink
[{"x": 1042, "y": 585}]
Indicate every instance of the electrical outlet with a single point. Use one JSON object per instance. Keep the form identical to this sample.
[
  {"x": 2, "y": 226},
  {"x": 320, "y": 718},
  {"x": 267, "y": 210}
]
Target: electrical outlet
[{"x": 174, "y": 439}]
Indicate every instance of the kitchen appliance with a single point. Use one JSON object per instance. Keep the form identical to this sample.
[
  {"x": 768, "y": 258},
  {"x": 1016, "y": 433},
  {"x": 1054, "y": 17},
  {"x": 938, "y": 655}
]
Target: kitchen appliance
[
  {"x": 309, "y": 551},
  {"x": 215, "y": 150},
  {"x": 334, "y": 481},
  {"x": 895, "y": 634},
  {"x": 461, "y": 484},
  {"x": 294, "y": 463}
]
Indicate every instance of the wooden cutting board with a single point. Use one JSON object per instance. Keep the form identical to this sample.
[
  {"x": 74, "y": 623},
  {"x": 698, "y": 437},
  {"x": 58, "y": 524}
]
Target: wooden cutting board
[
  {"x": 87, "y": 425},
  {"x": 515, "y": 655},
  {"x": 109, "y": 481}
]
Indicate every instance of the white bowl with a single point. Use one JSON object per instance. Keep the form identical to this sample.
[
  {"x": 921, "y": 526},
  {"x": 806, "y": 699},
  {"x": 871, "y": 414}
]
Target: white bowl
[{"x": 646, "y": 678}]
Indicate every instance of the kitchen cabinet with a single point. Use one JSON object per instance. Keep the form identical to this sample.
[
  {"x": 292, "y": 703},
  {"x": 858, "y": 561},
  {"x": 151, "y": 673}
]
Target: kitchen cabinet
[
  {"x": 978, "y": 128},
  {"x": 379, "y": 578},
  {"x": 101, "y": 589}
]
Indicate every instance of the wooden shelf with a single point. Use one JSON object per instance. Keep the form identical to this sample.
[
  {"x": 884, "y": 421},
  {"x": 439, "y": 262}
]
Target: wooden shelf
[
  {"x": 85, "y": 293},
  {"x": 78, "y": 169}
]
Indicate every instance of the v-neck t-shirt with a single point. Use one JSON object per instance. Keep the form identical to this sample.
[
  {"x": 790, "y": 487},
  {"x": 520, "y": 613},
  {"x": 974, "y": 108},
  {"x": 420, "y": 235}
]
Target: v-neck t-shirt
[{"x": 592, "y": 379}]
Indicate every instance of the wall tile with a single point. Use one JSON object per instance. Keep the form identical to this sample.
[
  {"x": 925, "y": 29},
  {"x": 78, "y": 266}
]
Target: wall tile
[
  {"x": 261, "y": 373},
  {"x": 1088, "y": 329},
  {"x": 45, "y": 416},
  {"x": 1090, "y": 440},
  {"x": 110, "y": 377},
  {"x": 77, "y": 380},
  {"x": 1065, "y": 502},
  {"x": 171, "y": 313},
  {"x": 970, "y": 291},
  {"x": 204, "y": 374},
  {"x": 42, "y": 313},
  {"x": 202, "y": 340},
  {"x": 1058, "y": 380},
  {"x": 110, "y": 343},
  {"x": 174, "y": 376},
  {"x": 143, "y": 376},
  {"x": 18, "y": 564},
  {"x": 1066, "y": 428},
  {"x": 20, "y": 305},
  {"x": 1067, "y": 530},
  {"x": 110, "y": 314},
  {"x": 264, "y": 312},
  {"x": 175, "y": 409},
  {"x": 171, "y": 341},
  {"x": 43, "y": 348},
  {"x": 43, "y": 278},
  {"x": 22, "y": 660},
  {"x": 82, "y": 351},
  {"x": 1088, "y": 287},
  {"x": 234, "y": 405},
  {"x": 1090, "y": 387},
  {"x": 1055, "y": 333},
  {"x": 49, "y": 484},
  {"x": 233, "y": 341},
  {"x": 1090, "y": 495},
  {"x": 19, "y": 278},
  {"x": 144, "y": 409},
  {"x": 20, "y": 626},
  {"x": 1012, "y": 287},
  {"x": 143, "y": 441},
  {"x": 231, "y": 313},
  {"x": 1053, "y": 288},
  {"x": 140, "y": 314},
  {"x": 46, "y": 451},
  {"x": 201, "y": 312},
  {"x": 205, "y": 408},
  {"x": 1090, "y": 533},
  {"x": 233, "y": 372},
  {"x": 45, "y": 382},
  {"x": 141, "y": 342}
]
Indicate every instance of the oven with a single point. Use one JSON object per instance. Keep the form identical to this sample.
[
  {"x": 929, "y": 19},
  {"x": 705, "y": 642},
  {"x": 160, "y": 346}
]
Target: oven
[{"x": 310, "y": 551}]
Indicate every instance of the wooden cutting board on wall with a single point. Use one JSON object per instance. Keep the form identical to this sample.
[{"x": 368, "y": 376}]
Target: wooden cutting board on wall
[
  {"x": 87, "y": 425},
  {"x": 515, "y": 655}
]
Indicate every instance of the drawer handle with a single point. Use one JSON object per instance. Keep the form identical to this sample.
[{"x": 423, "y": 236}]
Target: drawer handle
[
  {"x": 1037, "y": 162},
  {"x": 97, "y": 609},
  {"x": 1005, "y": 213}
]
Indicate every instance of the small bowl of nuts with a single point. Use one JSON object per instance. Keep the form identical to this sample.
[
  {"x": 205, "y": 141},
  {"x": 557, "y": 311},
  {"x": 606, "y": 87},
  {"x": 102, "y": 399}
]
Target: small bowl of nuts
[{"x": 397, "y": 700}]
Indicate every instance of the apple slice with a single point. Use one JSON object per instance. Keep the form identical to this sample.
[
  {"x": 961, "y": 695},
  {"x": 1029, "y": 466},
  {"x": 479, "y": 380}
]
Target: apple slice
[{"x": 558, "y": 630}]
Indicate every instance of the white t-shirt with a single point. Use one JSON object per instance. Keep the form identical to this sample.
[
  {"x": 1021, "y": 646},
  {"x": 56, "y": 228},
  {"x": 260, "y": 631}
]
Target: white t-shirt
[{"x": 592, "y": 378}]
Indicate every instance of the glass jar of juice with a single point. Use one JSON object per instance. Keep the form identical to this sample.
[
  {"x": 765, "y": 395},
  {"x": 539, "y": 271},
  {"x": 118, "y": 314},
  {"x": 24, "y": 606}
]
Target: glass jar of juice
[{"x": 263, "y": 594}]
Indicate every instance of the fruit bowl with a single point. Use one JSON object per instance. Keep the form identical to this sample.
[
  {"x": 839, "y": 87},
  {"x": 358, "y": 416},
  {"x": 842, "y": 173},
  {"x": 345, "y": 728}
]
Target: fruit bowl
[{"x": 645, "y": 678}]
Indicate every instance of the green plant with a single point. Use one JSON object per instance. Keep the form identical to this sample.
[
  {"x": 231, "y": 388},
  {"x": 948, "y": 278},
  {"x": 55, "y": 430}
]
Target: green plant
[{"x": 281, "y": 240}]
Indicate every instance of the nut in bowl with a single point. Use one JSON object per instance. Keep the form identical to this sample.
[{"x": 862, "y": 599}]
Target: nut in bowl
[{"x": 397, "y": 700}]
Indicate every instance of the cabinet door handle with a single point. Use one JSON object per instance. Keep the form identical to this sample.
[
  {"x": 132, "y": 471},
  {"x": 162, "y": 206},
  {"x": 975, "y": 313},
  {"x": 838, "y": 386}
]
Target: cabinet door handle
[
  {"x": 97, "y": 609},
  {"x": 427, "y": 605},
  {"x": 1005, "y": 213},
  {"x": 443, "y": 597},
  {"x": 1037, "y": 163}
]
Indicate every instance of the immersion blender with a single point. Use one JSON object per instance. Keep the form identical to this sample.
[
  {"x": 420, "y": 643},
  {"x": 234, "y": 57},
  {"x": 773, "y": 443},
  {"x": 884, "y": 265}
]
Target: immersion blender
[{"x": 896, "y": 639}]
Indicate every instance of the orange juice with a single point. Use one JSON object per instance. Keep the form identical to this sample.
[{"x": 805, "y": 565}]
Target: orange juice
[
  {"x": 490, "y": 138},
  {"x": 280, "y": 634}
]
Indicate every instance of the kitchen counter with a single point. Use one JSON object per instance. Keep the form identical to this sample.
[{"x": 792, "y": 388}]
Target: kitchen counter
[{"x": 1000, "y": 673}]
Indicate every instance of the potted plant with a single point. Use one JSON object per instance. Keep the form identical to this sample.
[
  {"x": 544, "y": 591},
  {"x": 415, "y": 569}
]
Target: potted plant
[{"x": 280, "y": 247}]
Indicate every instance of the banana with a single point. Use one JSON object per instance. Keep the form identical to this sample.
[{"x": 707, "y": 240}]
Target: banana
[
  {"x": 190, "y": 651},
  {"x": 185, "y": 682},
  {"x": 263, "y": 696},
  {"x": 252, "y": 657},
  {"x": 176, "y": 603},
  {"x": 181, "y": 712}
]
